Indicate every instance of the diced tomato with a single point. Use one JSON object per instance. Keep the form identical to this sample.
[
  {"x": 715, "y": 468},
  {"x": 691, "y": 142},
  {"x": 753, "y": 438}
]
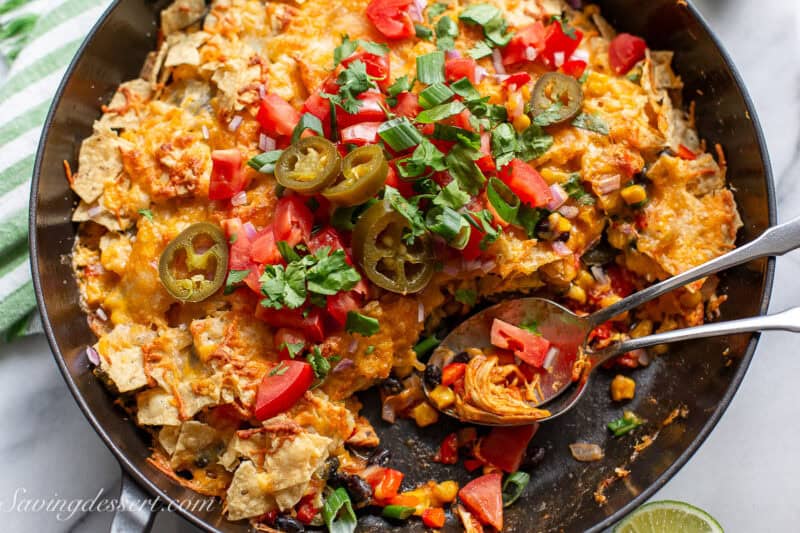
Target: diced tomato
[
  {"x": 621, "y": 280},
  {"x": 306, "y": 510},
  {"x": 601, "y": 332},
  {"x": 329, "y": 237},
  {"x": 407, "y": 105},
  {"x": 385, "y": 483},
  {"x": 624, "y": 51},
  {"x": 525, "y": 45},
  {"x": 293, "y": 220},
  {"x": 473, "y": 248},
  {"x": 448, "y": 450},
  {"x": 683, "y": 152},
  {"x": 574, "y": 68},
  {"x": 460, "y": 67},
  {"x": 462, "y": 120},
  {"x": 377, "y": 66},
  {"x": 526, "y": 183},
  {"x": 484, "y": 498},
  {"x": 518, "y": 79},
  {"x": 526, "y": 345},
  {"x": 339, "y": 304},
  {"x": 227, "y": 176},
  {"x": 433, "y": 517},
  {"x": 405, "y": 188},
  {"x": 558, "y": 46},
  {"x": 277, "y": 116},
  {"x": 472, "y": 464},
  {"x": 311, "y": 325},
  {"x": 280, "y": 391},
  {"x": 286, "y": 336},
  {"x": 486, "y": 163},
  {"x": 264, "y": 249},
  {"x": 318, "y": 106},
  {"x": 371, "y": 109},
  {"x": 391, "y": 18},
  {"x": 504, "y": 447},
  {"x": 360, "y": 134},
  {"x": 452, "y": 372}
]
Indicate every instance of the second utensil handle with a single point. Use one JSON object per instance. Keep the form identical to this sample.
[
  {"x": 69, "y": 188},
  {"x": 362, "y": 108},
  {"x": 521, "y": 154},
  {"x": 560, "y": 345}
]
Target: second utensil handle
[{"x": 776, "y": 240}]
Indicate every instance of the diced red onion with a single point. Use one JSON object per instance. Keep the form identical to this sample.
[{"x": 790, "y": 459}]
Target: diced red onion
[
  {"x": 154, "y": 264},
  {"x": 531, "y": 53},
  {"x": 101, "y": 314},
  {"x": 575, "y": 4},
  {"x": 502, "y": 77},
  {"x": 92, "y": 355},
  {"x": 415, "y": 10},
  {"x": 550, "y": 357},
  {"x": 451, "y": 268},
  {"x": 568, "y": 211},
  {"x": 561, "y": 248},
  {"x": 353, "y": 346},
  {"x": 641, "y": 355},
  {"x": 235, "y": 122},
  {"x": 583, "y": 451},
  {"x": 262, "y": 91},
  {"x": 249, "y": 230},
  {"x": 344, "y": 364},
  {"x": 608, "y": 184},
  {"x": 599, "y": 274},
  {"x": 204, "y": 129},
  {"x": 559, "y": 196},
  {"x": 488, "y": 265},
  {"x": 388, "y": 413},
  {"x": 266, "y": 143},
  {"x": 240, "y": 198},
  {"x": 580, "y": 55},
  {"x": 480, "y": 73},
  {"x": 452, "y": 54},
  {"x": 420, "y": 312},
  {"x": 94, "y": 211},
  {"x": 558, "y": 58},
  {"x": 497, "y": 61}
]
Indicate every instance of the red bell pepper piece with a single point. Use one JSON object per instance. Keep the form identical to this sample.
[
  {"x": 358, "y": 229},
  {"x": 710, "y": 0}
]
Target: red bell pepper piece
[
  {"x": 293, "y": 220},
  {"x": 526, "y": 345},
  {"x": 448, "y": 450},
  {"x": 504, "y": 447},
  {"x": 526, "y": 183},
  {"x": 558, "y": 46},
  {"x": 385, "y": 483},
  {"x": 526, "y": 44},
  {"x": 306, "y": 510},
  {"x": 227, "y": 175},
  {"x": 683, "y": 152},
  {"x": 360, "y": 134},
  {"x": 452, "y": 372},
  {"x": 407, "y": 105},
  {"x": 483, "y": 497},
  {"x": 280, "y": 391},
  {"x": 518, "y": 79},
  {"x": 460, "y": 67},
  {"x": 277, "y": 116},
  {"x": 391, "y": 18},
  {"x": 433, "y": 517},
  {"x": 624, "y": 51},
  {"x": 574, "y": 68}
]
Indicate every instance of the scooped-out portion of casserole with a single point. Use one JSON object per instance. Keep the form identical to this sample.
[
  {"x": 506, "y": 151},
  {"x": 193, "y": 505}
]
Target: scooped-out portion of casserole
[{"x": 296, "y": 199}]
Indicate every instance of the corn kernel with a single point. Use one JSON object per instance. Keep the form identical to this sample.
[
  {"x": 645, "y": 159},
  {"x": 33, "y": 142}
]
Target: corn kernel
[
  {"x": 443, "y": 397},
  {"x": 691, "y": 299},
  {"x": 526, "y": 93},
  {"x": 522, "y": 122},
  {"x": 622, "y": 388},
  {"x": 633, "y": 194},
  {"x": 446, "y": 491},
  {"x": 660, "y": 349},
  {"x": 424, "y": 414},
  {"x": 558, "y": 223},
  {"x": 585, "y": 280},
  {"x": 576, "y": 293},
  {"x": 642, "y": 329}
]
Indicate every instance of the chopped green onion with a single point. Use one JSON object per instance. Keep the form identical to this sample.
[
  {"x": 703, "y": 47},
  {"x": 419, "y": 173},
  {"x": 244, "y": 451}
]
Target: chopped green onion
[
  {"x": 398, "y": 512},
  {"x": 400, "y": 134},
  {"x": 423, "y": 32},
  {"x": 450, "y": 225},
  {"x": 466, "y": 296},
  {"x": 435, "y": 94},
  {"x": 591, "y": 122},
  {"x": 265, "y": 163},
  {"x": 430, "y": 68},
  {"x": 513, "y": 486},
  {"x": 426, "y": 345},
  {"x": 480, "y": 14},
  {"x": 279, "y": 370},
  {"x": 574, "y": 189},
  {"x": 307, "y": 122},
  {"x": 338, "y": 512},
  {"x": 465, "y": 89},
  {"x": 425, "y": 156},
  {"x": 480, "y": 50},
  {"x": 287, "y": 252},
  {"x": 446, "y": 32},
  {"x": 436, "y": 9},
  {"x": 369, "y": 349},
  {"x": 504, "y": 202},
  {"x": 443, "y": 132},
  {"x": 440, "y": 112},
  {"x": 362, "y": 324},
  {"x": 401, "y": 84},
  {"x": 627, "y": 422}
]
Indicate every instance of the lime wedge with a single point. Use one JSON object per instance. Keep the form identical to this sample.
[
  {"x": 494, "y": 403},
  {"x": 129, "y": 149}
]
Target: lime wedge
[{"x": 668, "y": 517}]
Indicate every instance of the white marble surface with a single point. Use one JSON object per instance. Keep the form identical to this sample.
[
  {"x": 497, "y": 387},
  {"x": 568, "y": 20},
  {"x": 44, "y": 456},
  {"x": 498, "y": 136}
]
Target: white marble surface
[{"x": 747, "y": 474}]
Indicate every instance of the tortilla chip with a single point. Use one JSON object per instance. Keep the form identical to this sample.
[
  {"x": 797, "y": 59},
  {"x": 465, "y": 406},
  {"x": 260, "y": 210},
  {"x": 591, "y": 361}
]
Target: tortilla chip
[
  {"x": 239, "y": 447},
  {"x": 183, "y": 48},
  {"x": 181, "y": 14},
  {"x": 122, "y": 109},
  {"x": 292, "y": 461},
  {"x": 121, "y": 355},
  {"x": 194, "y": 437},
  {"x": 520, "y": 257},
  {"x": 156, "y": 407},
  {"x": 168, "y": 438},
  {"x": 246, "y": 496},
  {"x": 99, "y": 160}
]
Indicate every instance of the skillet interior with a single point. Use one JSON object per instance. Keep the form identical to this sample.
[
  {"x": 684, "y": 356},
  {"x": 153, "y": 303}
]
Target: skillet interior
[{"x": 694, "y": 375}]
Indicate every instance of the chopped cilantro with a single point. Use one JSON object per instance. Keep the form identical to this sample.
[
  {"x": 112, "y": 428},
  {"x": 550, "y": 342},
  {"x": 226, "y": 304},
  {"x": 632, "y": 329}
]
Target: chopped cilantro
[
  {"x": 369, "y": 350},
  {"x": 346, "y": 49},
  {"x": 568, "y": 30},
  {"x": 235, "y": 277},
  {"x": 401, "y": 84},
  {"x": 319, "y": 364},
  {"x": 461, "y": 164},
  {"x": 331, "y": 273},
  {"x": 532, "y": 326},
  {"x": 425, "y": 156},
  {"x": 451, "y": 196},
  {"x": 446, "y": 32},
  {"x": 284, "y": 286},
  {"x": 591, "y": 122},
  {"x": 533, "y": 142},
  {"x": 504, "y": 144},
  {"x": 466, "y": 296},
  {"x": 527, "y": 218},
  {"x": 279, "y": 370},
  {"x": 482, "y": 220},
  {"x": 490, "y": 18},
  {"x": 232, "y": 238},
  {"x": 551, "y": 115},
  {"x": 361, "y": 324},
  {"x": 436, "y": 9},
  {"x": 287, "y": 252},
  {"x": 624, "y": 424},
  {"x": 146, "y": 213},
  {"x": 575, "y": 190},
  {"x": 352, "y": 81},
  {"x": 294, "y": 348},
  {"x": 409, "y": 211},
  {"x": 265, "y": 163}
]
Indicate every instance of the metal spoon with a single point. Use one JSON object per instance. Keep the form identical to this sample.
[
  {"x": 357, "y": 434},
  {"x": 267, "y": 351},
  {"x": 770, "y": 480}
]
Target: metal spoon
[{"x": 568, "y": 332}]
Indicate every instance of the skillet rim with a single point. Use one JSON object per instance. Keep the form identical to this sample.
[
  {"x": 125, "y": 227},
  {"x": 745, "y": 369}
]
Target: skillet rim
[{"x": 129, "y": 469}]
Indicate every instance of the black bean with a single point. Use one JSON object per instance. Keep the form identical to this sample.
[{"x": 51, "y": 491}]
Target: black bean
[
  {"x": 289, "y": 524},
  {"x": 380, "y": 456},
  {"x": 533, "y": 456},
  {"x": 564, "y": 236},
  {"x": 433, "y": 376},
  {"x": 463, "y": 357},
  {"x": 372, "y": 524},
  {"x": 360, "y": 491},
  {"x": 185, "y": 474},
  {"x": 201, "y": 461},
  {"x": 331, "y": 466},
  {"x": 392, "y": 386}
]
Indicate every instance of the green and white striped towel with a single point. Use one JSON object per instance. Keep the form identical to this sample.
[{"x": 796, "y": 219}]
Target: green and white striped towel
[{"x": 39, "y": 38}]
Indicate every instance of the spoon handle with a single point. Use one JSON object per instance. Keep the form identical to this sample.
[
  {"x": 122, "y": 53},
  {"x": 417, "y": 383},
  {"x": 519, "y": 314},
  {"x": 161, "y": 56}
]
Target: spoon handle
[
  {"x": 776, "y": 240},
  {"x": 788, "y": 320}
]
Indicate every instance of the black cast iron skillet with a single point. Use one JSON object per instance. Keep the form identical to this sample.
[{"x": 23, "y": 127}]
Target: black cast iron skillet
[{"x": 560, "y": 496}]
